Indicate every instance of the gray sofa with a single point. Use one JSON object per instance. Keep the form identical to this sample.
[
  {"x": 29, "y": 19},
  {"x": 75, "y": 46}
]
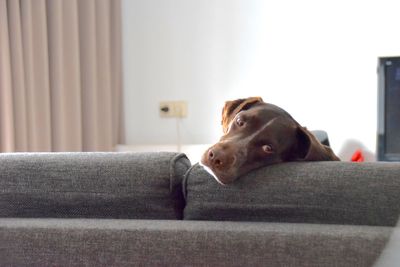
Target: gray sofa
[{"x": 156, "y": 209}]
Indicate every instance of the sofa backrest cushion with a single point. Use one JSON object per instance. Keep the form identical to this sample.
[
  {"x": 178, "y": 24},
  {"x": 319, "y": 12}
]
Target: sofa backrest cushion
[
  {"x": 92, "y": 185},
  {"x": 306, "y": 192}
]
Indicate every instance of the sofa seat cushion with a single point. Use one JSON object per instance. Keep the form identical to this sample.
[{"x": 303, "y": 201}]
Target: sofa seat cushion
[
  {"x": 92, "y": 185},
  {"x": 99, "y": 242},
  {"x": 307, "y": 192}
]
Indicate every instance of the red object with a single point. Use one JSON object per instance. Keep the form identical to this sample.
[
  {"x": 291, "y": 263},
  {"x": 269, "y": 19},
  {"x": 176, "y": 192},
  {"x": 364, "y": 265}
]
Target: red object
[{"x": 357, "y": 156}]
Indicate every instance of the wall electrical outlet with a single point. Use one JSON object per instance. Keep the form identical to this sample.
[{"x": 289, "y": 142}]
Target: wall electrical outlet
[{"x": 173, "y": 109}]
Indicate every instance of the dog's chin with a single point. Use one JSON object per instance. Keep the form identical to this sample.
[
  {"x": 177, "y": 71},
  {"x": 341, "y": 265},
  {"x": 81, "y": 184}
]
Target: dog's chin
[
  {"x": 208, "y": 169},
  {"x": 219, "y": 177}
]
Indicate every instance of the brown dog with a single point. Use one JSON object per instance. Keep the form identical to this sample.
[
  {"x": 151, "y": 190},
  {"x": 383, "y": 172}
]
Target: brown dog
[{"x": 258, "y": 134}]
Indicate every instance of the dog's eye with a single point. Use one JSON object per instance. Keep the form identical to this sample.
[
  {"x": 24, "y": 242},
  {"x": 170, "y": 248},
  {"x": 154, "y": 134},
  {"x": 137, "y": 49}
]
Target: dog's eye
[
  {"x": 267, "y": 148},
  {"x": 239, "y": 122}
]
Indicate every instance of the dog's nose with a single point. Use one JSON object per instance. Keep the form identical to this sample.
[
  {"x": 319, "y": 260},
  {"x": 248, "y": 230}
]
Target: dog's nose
[
  {"x": 214, "y": 157},
  {"x": 220, "y": 158}
]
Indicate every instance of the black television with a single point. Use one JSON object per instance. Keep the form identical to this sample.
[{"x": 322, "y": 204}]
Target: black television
[{"x": 388, "y": 142}]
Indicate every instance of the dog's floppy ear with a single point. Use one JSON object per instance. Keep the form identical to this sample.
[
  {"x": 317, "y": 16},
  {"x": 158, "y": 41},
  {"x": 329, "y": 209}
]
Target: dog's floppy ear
[
  {"x": 310, "y": 149},
  {"x": 233, "y": 107}
]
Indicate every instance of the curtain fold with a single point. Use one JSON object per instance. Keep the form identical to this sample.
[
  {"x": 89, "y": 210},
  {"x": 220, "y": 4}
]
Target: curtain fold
[
  {"x": 19, "y": 99},
  {"x": 7, "y": 140},
  {"x": 66, "y": 110},
  {"x": 36, "y": 66},
  {"x": 60, "y": 75}
]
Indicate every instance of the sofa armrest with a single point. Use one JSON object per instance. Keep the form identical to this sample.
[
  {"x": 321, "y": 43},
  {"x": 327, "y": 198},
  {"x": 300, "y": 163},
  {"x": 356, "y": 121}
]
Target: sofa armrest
[
  {"x": 330, "y": 192},
  {"x": 92, "y": 185}
]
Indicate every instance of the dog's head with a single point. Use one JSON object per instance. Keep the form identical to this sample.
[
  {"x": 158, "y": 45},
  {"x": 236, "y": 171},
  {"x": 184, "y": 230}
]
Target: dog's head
[{"x": 258, "y": 134}]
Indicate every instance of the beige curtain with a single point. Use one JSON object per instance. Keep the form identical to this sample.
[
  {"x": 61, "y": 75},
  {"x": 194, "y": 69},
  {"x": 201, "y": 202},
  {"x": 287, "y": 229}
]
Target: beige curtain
[{"x": 60, "y": 75}]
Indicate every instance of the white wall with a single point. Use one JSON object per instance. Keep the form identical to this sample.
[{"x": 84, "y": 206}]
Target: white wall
[{"x": 316, "y": 59}]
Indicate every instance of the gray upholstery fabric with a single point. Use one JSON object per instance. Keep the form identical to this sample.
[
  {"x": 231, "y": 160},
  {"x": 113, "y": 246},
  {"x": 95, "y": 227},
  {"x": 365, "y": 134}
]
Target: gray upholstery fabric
[
  {"x": 75, "y": 242},
  {"x": 92, "y": 185},
  {"x": 305, "y": 192}
]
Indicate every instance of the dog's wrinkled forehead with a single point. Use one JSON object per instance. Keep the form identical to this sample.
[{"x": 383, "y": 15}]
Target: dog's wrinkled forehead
[
  {"x": 252, "y": 109},
  {"x": 231, "y": 108},
  {"x": 255, "y": 117}
]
